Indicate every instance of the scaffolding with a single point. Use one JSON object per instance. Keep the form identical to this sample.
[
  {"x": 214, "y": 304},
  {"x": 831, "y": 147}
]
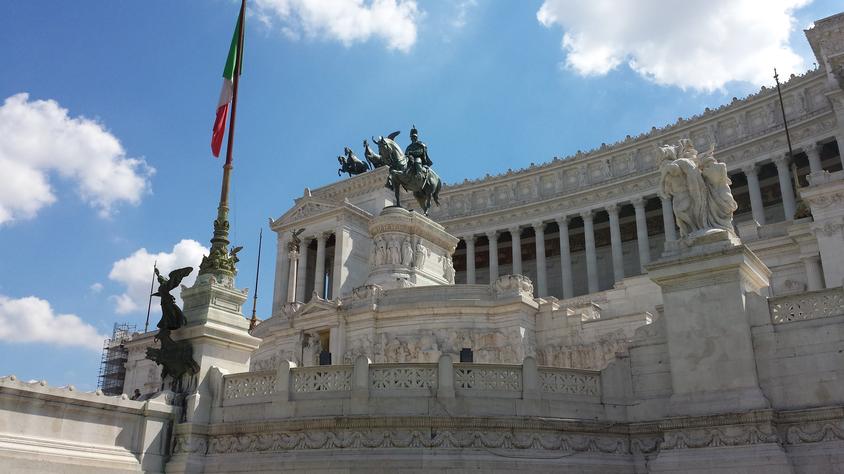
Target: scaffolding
[{"x": 113, "y": 364}]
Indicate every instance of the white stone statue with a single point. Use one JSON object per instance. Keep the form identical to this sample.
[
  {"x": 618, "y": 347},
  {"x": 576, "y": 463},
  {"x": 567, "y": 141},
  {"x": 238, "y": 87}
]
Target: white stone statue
[
  {"x": 406, "y": 252},
  {"x": 699, "y": 189},
  {"x": 721, "y": 202},
  {"x": 448, "y": 270},
  {"x": 380, "y": 251},
  {"x": 419, "y": 255},
  {"x": 394, "y": 251}
]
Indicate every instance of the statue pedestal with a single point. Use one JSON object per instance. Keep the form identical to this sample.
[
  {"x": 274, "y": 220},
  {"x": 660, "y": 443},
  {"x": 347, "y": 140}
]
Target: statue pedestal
[
  {"x": 409, "y": 249},
  {"x": 219, "y": 335},
  {"x": 713, "y": 369},
  {"x": 825, "y": 196}
]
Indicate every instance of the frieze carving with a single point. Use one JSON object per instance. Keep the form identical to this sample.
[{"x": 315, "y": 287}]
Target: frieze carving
[
  {"x": 829, "y": 227},
  {"x": 512, "y": 285},
  {"x": 815, "y": 432},
  {"x": 737, "y": 435},
  {"x": 504, "y": 346},
  {"x": 190, "y": 444},
  {"x": 418, "y": 438}
]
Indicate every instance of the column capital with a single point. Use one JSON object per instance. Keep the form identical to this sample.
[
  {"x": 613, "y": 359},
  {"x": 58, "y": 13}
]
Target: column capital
[
  {"x": 515, "y": 229},
  {"x": 638, "y": 202},
  {"x": 781, "y": 160},
  {"x": 750, "y": 169},
  {"x": 562, "y": 221},
  {"x": 491, "y": 234},
  {"x": 612, "y": 209},
  {"x": 538, "y": 226},
  {"x": 812, "y": 148},
  {"x": 322, "y": 236},
  {"x": 587, "y": 214},
  {"x": 468, "y": 238},
  {"x": 663, "y": 198}
]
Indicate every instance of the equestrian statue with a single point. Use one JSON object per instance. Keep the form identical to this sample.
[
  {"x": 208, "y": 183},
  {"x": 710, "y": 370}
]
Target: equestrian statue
[{"x": 410, "y": 170}]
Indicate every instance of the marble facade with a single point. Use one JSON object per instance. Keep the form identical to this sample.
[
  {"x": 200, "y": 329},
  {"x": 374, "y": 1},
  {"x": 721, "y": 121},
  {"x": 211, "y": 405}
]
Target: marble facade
[{"x": 545, "y": 319}]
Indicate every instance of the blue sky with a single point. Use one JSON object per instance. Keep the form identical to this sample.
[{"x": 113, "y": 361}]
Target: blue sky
[{"x": 125, "y": 92}]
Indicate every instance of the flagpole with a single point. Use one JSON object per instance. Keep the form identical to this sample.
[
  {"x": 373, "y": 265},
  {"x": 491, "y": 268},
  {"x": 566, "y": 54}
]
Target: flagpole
[
  {"x": 254, "y": 320},
  {"x": 219, "y": 260},
  {"x": 784, "y": 121},
  {"x": 149, "y": 304}
]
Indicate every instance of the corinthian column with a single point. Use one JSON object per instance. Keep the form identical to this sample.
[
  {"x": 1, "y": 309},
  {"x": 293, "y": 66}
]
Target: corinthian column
[
  {"x": 642, "y": 232},
  {"x": 787, "y": 192},
  {"x": 470, "y": 259},
  {"x": 281, "y": 275},
  {"x": 302, "y": 271},
  {"x": 516, "y": 240},
  {"x": 565, "y": 257},
  {"x": 319, "y": 269},
  {"x": 293, "y": 262},
  {"x": 591, "y": 257},
  {"x": 541, "y": 280},
  {"x": 668, "y": 218},
  {"x": 493, "y": 255},
  {"x": 615, "y": 241},
  {"x": 756, "y": 206},
  {"x": 813, "y": 152}
]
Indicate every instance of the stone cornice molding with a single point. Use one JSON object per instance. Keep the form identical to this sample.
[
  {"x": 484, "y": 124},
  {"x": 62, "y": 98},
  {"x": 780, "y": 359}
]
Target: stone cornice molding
[{"x": 309, "y": 211}]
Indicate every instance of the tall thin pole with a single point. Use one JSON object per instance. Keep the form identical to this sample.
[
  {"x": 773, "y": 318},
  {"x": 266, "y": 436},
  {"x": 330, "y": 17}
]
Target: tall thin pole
[
  {"x": 254, "y": 320},
  {"x": 220, "y": 241},
  {"x": 782, "y": 108},
  {"x": 151, "y": 286}
]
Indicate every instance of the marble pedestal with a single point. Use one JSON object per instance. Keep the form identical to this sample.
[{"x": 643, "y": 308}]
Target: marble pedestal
[
  {"x": 219, "y": 335},
  {"x": 713, "y": 369},
  {"x": 826, "y": 200},
  {"x": 409, "y": 249}
]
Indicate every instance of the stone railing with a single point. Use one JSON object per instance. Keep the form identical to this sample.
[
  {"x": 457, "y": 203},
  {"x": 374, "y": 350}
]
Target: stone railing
[
  {"x": 488, "y": 377},
  {"x": 249, "y": 387},
  {"x": 385, "y": 378},
  {"x": 810, "y": 305},
  {"x": 322, "y": 378},
  {"x": 569, "y": 381},
  {"x": 444, "y": 379}
]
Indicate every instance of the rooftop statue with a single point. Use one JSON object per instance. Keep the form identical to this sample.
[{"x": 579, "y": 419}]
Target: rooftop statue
[
  {"x": 351, "y": 164},
  {"x": 699, "y": 189},
  {"x": 374, "y": 160},
  {"x": 412, "y": 171},
  {"x": 171, "y": 315},
  {"x": 175, "y": 357}
]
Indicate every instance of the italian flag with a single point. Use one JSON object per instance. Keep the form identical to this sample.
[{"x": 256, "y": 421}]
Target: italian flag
[{"x": 226, "y": 92}]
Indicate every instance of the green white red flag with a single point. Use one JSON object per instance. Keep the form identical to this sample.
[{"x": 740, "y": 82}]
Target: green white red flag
[{"x": 226, "y": 92}]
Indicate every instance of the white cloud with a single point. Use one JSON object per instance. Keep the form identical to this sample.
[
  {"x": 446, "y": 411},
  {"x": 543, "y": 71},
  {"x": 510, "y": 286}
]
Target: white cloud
[
  {"x": 31, "y": 319},
  {"x": 462, "y": 9},
  {"x": 347, "y": 21},
  {"x": 38, "y": 138},
  {"x": 697, "y": 44},
  {"x": 96, "y": 287},
  {"x": 135, "y": 273}
]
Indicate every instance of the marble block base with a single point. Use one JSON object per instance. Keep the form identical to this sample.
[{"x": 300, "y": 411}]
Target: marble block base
[{"x": 409, "y": 249}]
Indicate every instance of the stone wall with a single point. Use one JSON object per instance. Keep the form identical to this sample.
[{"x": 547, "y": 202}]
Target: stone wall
[{"x": 44, "y": 429}]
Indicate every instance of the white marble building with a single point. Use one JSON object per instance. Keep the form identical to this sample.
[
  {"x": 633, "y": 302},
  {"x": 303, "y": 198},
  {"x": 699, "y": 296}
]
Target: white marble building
[{"x": 535, "y": 322}]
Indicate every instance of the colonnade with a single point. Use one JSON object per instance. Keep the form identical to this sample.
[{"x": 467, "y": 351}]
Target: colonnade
[
  {"x": 565, "y": 252},
  {"x": 292, "y": 269},
  {"x": 785, "y": 180}
]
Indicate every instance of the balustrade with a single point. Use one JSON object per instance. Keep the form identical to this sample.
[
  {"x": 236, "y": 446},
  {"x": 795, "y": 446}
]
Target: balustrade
[{"x": 811, "y": 305}]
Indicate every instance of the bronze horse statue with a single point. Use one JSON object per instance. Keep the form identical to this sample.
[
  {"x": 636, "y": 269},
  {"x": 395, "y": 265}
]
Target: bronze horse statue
[
  {"x": 351, "y": 164},
  {"x": 414, "y": 177}
]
